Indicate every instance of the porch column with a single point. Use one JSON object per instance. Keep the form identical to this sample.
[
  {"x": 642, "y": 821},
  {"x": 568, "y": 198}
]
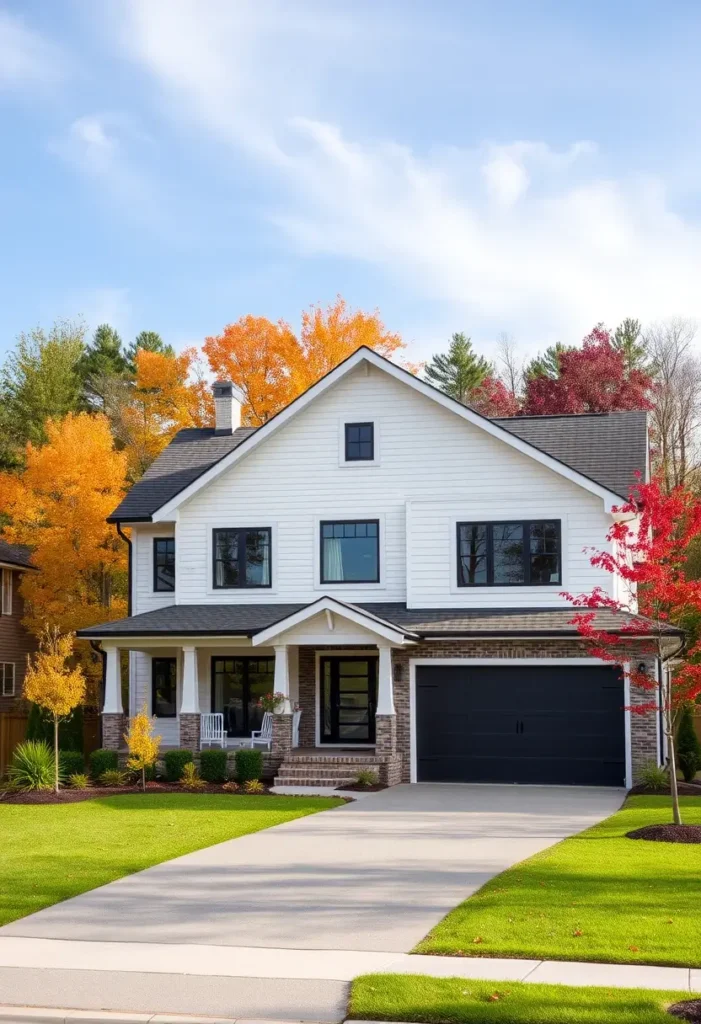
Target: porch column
[
  {"x": 282, "y": 721},
  {"x": 112, "y": 712},
  {"x": 190, "y": 702},
  {"x": 386, "y": 720}
]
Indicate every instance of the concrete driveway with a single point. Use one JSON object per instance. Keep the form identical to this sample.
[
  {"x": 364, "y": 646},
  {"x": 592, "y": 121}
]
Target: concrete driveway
[{"x": 373, "y": 875}]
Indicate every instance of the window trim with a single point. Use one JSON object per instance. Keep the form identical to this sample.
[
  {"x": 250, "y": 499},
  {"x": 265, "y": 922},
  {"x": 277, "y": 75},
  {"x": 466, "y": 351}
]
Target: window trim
[
  {"x": 347, "y": 583},
  {"x": 525, "y": 524},
  {"x": 5, "y": 665},
  {"x": 242, "y": 530},
  {"x": 359, "y": 458},
  {"x": 156, "y": 588},
  {"x": 6, "y": 606},
  {"x": 153, "y": 685}
]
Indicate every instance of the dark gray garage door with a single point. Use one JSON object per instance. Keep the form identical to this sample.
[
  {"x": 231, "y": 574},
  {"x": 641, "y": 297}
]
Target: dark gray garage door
[{"x": 530, "y": 724}]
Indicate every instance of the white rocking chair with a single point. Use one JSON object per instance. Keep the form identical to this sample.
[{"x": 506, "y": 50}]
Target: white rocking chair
[
  {"x": 212, "y": 729},
  {"x": 263, "y": 737}
]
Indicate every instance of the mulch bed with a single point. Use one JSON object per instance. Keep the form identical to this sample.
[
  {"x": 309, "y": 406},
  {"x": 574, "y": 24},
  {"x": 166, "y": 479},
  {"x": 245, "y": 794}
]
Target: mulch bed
[
  {"x": 74, "y": 796},
  {"x": 684, "y": 788},
  {"x": 357, "y": 787},
  {"x": 667, "y": 833},
  {"x": 689, "y": 1009}
]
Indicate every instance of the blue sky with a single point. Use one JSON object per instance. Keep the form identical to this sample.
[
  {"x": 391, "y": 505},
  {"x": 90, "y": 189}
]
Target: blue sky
[{"x": 528, "y": 168}]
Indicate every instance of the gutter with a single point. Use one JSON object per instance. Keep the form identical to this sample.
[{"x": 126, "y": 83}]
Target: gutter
[{"x": 127, "y": 541}]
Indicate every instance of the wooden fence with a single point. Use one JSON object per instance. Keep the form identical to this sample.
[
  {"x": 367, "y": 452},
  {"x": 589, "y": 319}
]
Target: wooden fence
[{"x": 13, "y": 730}]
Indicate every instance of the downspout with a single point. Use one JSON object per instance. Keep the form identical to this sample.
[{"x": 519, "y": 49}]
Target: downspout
[
  {"x": 661, "y": 662},
  {"x": 127, "y": 541},
  {"x": 95, "y": 644}
]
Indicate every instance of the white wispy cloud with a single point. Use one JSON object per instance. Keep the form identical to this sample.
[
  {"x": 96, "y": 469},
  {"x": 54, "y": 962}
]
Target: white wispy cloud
[
  {"x": 524, "y": 235},
  {"x": 27, "y": 59}
]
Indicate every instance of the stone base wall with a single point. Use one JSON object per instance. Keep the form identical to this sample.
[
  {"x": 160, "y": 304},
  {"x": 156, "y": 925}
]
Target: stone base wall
[
  {"x": 190, "y": 732},
  {"x": 113, "y": 729},
  {"x": 282, "y": 739}
]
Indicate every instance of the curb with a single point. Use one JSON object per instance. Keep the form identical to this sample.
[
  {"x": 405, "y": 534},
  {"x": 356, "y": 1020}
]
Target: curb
[{"x": 46, "y": 1015}]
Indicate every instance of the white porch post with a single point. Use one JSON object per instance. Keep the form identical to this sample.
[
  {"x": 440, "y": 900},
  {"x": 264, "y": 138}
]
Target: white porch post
[
  {"x": 385, "y": 695},
  {"x": 281, "y": 681},
  {"x": 190, "y": 702},
  {"x": 113, "y": 683}
]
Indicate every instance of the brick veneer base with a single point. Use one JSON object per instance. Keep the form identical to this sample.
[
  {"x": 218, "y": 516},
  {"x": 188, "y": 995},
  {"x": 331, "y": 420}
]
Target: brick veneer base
[
  {"x": 282, "y": 739},
  {"x": 113, "y": 729},
  {"x": 190, "y": 732}
]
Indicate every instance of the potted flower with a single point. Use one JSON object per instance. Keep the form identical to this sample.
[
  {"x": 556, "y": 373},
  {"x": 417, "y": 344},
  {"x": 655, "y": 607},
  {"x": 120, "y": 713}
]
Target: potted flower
[{"x": 275, "y": 702}]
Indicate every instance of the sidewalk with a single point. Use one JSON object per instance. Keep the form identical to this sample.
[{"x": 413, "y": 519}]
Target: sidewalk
[{"x": 237, "y": 982}]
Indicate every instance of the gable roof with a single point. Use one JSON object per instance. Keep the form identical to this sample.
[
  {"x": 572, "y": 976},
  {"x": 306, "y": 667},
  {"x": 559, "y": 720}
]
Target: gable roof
[
  {"x": 16, "y": 554},
  {"x": 607, "y": 447},
  {"x": 196, "y": 456}
]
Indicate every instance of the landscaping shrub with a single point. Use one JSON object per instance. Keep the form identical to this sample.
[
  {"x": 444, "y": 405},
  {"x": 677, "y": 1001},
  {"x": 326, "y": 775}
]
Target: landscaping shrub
[
  {"x": 32, "y": 766},
  {"x": 231, "y": 787},
  {"x": 79, "y": 781},
  {"x": 653, "y": 775},
  {"x": 190, "y": 778},
  {"x": 249, "y": 764},
  {"x": 103, "y": 761},
  {"x": 688, "y": 746},
  {"x": 213, "y": 765},
  {"x": 114, "y": 777},
  {"x": 72, "y": 762},
  {"x": 367, "y": 777},
  {"x": 254, "y": 786},
  {"x": 175, "y": 761}
]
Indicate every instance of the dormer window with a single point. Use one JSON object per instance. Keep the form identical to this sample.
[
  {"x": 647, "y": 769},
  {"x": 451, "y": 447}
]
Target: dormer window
[{"x": 360, "y": 442}]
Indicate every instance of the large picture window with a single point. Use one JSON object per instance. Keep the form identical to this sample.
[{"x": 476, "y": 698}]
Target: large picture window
[
  {"x": 164, "y": 564},
  {"x": 242, "y": 558},
  {"x": 237, "y": 686},
  {"x": 510, "y": 554},
  {"x": 164, "y": 687},
  {"x": 350, "y": 551}
]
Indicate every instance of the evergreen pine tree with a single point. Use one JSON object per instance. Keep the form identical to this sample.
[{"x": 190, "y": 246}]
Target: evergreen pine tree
[
  {"x": 628, "y": 341},
  {"x": 102, "y": 362},
  {"x": 459, "y": 371},
  {"x": 149, "y": 341},
  {"x": 547, "y": 364}
]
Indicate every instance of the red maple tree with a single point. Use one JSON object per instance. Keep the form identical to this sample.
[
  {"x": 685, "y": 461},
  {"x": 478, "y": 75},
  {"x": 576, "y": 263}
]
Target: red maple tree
[
  {"x": 593, "y": 378},
  {"x": 648, "y": 552},
  {"x": 492, "y": 398}
]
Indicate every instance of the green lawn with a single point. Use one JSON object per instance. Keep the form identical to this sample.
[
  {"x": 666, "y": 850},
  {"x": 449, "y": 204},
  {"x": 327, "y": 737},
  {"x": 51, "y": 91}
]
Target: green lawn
[
  {"x": 51, "y": 852},
  {"x": 596, "y": 896},
  {"x": 407, "y": 997}
]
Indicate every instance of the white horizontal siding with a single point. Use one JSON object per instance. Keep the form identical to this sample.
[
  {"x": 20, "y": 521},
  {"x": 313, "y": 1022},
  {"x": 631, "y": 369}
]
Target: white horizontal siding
[{"x": 426, "y": 455}]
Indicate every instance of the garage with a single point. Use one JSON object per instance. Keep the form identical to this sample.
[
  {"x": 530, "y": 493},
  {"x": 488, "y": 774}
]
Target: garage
[{"x": 537, "y": 724}]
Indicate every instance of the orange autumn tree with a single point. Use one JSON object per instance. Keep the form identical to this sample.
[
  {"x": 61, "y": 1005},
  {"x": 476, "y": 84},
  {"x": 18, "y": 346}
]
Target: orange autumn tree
[
  {"x": 271, "y": 366},
  {"x": 169, "y": 394},
  {"x": 58, "y": 506}
]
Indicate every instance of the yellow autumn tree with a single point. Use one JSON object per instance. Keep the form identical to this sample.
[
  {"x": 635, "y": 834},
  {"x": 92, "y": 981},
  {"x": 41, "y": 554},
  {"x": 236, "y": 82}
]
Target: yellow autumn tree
[
  {"x": 168, "y": 395},
  {"x": 271, "y": 366},
  {"x": 58, "y": 506},
  {"x": 52, "y": 683},
  {"x": 143, "y": 746}
]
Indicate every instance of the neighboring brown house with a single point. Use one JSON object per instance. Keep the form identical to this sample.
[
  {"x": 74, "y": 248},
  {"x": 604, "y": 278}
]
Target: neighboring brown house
[{"x": 15, "y": 641}]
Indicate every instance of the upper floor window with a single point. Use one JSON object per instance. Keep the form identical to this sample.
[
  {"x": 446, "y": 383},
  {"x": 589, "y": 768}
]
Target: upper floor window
[
  {"x": 350, "y": 551},
  {"x": 509, "y": 554},
  {"x": 164, "y": 564},
  {"x": 7, "y": 591},
  {"x": 241, "y": 557},
  {"x": 7, "y": 679},
  {"x": 164, "y": 687},
  {"x": 360, "y": 442}
]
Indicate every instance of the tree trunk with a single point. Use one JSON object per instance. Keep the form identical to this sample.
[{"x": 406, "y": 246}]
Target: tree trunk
[
  {"x": 55, "y": 754},
  {"x": 143, "y": 777},
  {"x": 673, "y": 788}
]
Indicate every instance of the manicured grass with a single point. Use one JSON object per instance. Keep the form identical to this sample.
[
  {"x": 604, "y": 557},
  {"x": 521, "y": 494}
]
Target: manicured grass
[
  {"x": 51, "y": 852},
  {"x": 410, "y": 997},
  {"x": 596, "y": 896}
]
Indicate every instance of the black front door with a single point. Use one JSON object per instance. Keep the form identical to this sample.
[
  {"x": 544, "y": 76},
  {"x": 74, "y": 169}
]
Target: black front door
[
  {"x": 237, "y": 686},
  {"x": 348, "y": 699}
]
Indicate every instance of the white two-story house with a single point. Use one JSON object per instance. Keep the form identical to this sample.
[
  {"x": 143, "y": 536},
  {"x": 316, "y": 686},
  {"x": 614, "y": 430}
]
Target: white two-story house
[{"x": 394, "y": 564}]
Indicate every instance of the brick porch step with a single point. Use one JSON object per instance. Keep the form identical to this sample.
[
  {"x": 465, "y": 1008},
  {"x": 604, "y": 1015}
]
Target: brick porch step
[
  {"x": 313, "y": 782},
  {"x": 355, "y": 760},
  {"x": 316, "y": 771}
]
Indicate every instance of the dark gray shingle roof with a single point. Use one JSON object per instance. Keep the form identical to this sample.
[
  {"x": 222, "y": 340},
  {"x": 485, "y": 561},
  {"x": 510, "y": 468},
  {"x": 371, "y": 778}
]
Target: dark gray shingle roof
[
  {"x": 607, "y": 447},
  {"x": 248, "y": 619},
  {"x": 16, "y": 554},
  {"x": 189, "y": 455}
]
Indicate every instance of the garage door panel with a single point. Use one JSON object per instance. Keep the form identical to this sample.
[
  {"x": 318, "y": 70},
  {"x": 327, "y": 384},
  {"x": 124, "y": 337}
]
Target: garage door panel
[{"x": 520, "y": 723}]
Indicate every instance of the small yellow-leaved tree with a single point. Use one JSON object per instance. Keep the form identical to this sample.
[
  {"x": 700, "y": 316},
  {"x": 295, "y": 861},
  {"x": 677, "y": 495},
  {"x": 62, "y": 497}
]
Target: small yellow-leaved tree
[
  {"x": 51, "y": 683},
  {"x": 143, "y": 745}
]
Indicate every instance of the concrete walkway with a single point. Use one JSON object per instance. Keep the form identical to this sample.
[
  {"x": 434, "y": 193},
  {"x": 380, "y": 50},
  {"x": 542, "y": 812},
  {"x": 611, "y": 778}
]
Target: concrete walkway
[{"x": 372, "y": 876}]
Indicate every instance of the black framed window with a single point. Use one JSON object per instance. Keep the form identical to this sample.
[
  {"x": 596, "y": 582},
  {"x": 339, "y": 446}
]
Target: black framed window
[
  {"x": 241, "y": 557},
  {"x": 164, "y": 564},
  {"x": 164, "y": 700},
  {"x": 237, "y": 686},
  {"x": 360, "y": 442},
  {"x": 350, "y": 551},
  {"x": 7, "y": 679},
  {"x": 523, "y": 553}
]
